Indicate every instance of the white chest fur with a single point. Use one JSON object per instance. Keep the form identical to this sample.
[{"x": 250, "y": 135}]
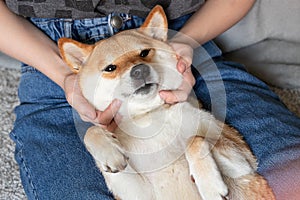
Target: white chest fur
[{"x": 157, "y": 166}]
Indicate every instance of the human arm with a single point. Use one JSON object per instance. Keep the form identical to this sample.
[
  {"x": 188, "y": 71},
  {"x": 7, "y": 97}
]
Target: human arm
[
  {"x": 23, "y": 41},
  {"x": 212, "y": 19}
]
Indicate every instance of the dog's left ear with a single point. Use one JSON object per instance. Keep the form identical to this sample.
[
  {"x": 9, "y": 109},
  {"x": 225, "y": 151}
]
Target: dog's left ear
[
  {"x": 156, "y": 24},
  {"x": 74, "y": 53}
]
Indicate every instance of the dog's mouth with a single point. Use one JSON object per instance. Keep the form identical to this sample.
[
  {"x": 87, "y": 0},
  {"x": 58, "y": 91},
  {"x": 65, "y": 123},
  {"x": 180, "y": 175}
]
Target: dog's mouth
[{"x": 146, "y": 88}]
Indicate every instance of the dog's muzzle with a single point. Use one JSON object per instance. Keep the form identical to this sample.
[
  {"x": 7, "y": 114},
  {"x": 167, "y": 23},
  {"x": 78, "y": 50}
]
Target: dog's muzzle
[{"x": 141, "y": 79}]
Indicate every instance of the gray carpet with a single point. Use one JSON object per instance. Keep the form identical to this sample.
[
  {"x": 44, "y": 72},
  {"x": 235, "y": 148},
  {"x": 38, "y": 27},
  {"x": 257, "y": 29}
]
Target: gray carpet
[{"x": 10, "y": 186}]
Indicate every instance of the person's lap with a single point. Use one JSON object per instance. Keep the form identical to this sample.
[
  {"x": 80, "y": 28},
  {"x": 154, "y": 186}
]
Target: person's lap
[
  {"x": 53, "y": 161},
  {"x": 55, "y": 165}
]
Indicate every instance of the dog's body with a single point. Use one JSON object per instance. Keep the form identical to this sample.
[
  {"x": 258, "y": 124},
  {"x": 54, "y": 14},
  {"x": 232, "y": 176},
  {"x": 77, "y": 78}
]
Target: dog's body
[
  {"x": 153, "y": 172},
  {"x": 158, "y": 151}
]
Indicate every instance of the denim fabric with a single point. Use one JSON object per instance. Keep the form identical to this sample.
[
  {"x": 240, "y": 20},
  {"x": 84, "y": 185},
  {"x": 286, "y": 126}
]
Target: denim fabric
[
  {"x": 54, "y": 163},
  {"x": 270, "y": 129}
]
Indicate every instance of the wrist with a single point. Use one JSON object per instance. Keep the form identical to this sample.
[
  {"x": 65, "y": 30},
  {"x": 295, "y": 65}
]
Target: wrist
[
  {"x": 58, "y": 72},
  {"x": 185, "y": 39},
  {"x": 68, "y": 84}
]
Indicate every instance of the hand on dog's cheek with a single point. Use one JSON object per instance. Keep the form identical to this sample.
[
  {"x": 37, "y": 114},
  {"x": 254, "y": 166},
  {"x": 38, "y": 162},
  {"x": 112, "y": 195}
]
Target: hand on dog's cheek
[
  {"x": 86, "y": 111},
  {"x": 76, "y": 100},
  {"x": 182, "y": 93},
  {"x": 112, "y": 125},
  {"x": 185, "y": 57},
  {"x": 108, "y": 118},
  {"x": 184, "y": 51}
]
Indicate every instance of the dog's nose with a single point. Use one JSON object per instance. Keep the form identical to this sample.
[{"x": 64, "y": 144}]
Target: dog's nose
[{"x": 140, "y": 71}]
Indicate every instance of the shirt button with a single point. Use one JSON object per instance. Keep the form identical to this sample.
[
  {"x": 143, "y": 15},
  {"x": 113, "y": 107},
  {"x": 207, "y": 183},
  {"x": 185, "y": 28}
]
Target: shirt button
[{"x": 116, "y": 22}]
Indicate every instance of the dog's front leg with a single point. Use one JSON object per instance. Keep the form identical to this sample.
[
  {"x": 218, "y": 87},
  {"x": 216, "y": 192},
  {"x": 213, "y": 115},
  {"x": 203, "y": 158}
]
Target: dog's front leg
[
  {"x": 106, "y": 150},
  {"x": 204, "y": 170}
]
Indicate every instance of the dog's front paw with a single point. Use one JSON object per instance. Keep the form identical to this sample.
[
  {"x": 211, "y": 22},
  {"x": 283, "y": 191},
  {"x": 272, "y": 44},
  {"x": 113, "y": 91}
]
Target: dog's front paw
[
  {"x": 210, "y": 187},
  {"x": 112, "y": 157},
  {"x": 205, "y": 172},
  {"x": 106, "y": 150}
]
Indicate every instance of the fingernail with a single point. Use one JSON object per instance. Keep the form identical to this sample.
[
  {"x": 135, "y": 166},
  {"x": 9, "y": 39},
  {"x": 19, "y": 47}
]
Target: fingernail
[
  {"x": 163, "y": 95},
  {"x": 117, "y": 103},
  {"x": 182, "y": 66}
]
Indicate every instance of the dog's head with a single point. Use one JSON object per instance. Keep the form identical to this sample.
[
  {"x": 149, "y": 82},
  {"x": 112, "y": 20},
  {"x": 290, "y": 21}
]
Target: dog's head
[{"x": 132, "y": 66}]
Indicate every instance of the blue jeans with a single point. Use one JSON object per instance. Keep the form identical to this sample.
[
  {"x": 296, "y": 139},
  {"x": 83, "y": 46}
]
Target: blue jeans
[{"x": 54, "y": 163}]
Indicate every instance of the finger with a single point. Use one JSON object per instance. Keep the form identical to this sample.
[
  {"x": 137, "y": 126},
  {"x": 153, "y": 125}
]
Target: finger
[
  {"x": 181, "y": 94},
  {"x": 183, "y": 51},
  {"x": 188, "y": 81},
  {"x": 108, "y": 114},
  {"x": 181, "y": 66},
  {"x": 186, "y": 71},
  {"x": 112, "y": 126},
  {"x": 174, "y": 96}
]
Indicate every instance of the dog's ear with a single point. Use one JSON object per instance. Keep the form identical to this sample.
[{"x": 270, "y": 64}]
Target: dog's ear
[
  {"x": 74, "y": 53},
  {"x": 156, "y": 24}
]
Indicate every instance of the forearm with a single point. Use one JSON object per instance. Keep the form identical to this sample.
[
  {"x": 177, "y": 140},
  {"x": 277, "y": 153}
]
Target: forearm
[
  {"x": 23, "y": 41},
  {"x": 215, "y": 17}
]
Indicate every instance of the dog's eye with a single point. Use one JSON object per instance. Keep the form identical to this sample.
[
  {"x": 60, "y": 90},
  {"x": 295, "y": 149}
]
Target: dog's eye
[
  {"x": 110, "y": 68},
  {"x": 144, "y": 53}
]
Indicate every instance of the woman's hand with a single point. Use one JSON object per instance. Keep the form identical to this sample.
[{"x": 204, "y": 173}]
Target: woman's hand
[
  {"x": 87, "y": 112},
  {"x": 212, "y": 19},
  {"x": 185, "y": 53}
]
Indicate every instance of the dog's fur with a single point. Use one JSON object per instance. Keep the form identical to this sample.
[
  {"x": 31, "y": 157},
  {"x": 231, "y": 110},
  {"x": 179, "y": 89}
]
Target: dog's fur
[{"x": 158, "y": 151}]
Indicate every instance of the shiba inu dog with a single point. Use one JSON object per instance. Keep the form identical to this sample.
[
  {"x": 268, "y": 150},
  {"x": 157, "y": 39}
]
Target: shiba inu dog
[{"x": 158, "y": 151}]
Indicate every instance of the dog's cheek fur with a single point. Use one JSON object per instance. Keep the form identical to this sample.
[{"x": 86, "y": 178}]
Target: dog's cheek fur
[
  {"x": 97, "y": 90},
  {"x": 167, "y": 68},
  {"x": 125, "y": 89}
]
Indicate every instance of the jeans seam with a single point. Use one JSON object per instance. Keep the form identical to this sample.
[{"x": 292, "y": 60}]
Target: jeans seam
[
  {"x": 28, "y": 175},
  {"x": 16, "y": 139},
  {"x": 24, "y": 166}
]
